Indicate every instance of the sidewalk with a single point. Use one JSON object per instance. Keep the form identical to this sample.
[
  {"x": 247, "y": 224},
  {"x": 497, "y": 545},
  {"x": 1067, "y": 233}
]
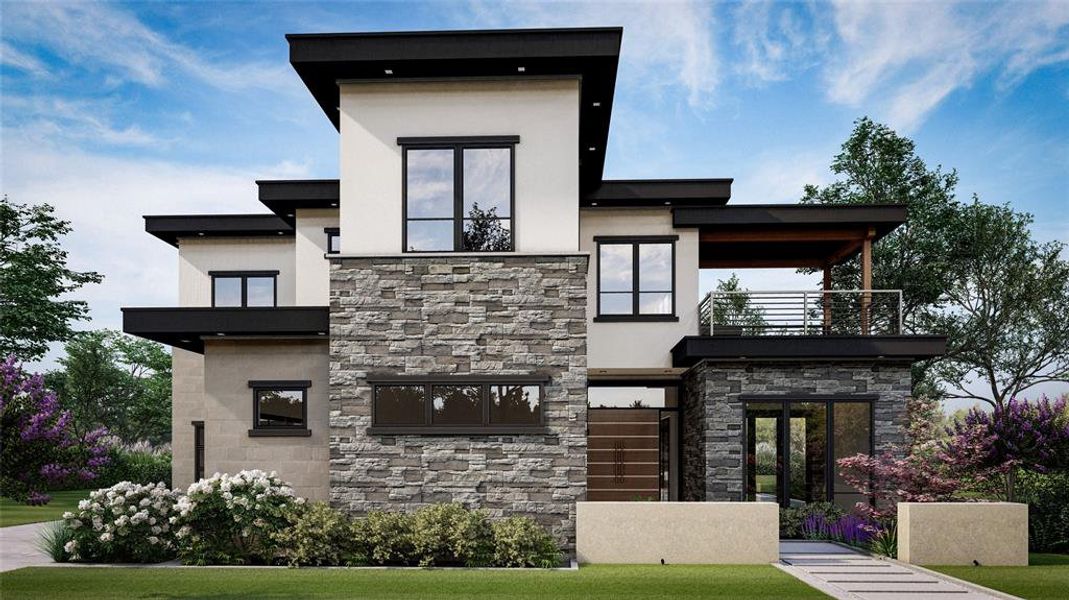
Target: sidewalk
[{"x": 18, "y": 547}]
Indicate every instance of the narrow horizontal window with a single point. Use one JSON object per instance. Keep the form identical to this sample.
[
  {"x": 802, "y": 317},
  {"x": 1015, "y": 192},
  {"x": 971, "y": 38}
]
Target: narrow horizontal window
[{"x": 458, "y": 406}]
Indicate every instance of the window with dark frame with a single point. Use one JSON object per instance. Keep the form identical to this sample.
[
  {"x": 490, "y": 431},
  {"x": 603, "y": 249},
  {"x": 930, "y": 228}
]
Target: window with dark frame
[
  {"x": 333, "y": 240},
  {"x": 244, "y": 288},
  {"x": 636, "y": 278},
  {"x": 458, "y": 194},
  {"x": 485, "y": 405},
  {"x": 279, "y": 408}
]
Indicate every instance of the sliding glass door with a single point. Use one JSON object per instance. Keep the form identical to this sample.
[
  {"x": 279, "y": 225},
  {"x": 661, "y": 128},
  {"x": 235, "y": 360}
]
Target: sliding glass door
[{"x": 792, "y": 445}]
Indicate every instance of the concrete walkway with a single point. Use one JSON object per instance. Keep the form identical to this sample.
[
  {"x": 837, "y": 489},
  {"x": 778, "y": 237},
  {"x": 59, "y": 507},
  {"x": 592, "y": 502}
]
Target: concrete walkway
[
  {"x": 18, "y": 547},
  {"x": 848, "y": 575}
]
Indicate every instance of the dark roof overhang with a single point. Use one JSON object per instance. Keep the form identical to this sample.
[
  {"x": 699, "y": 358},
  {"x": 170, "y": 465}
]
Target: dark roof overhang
[
  {"x": 786, "y": 235},
  {"x": 171, "y": 227},
  {"x": 692, "y": 348},
  {"x": 285, "y": 197},
  {"x": 187, "y": 327},
  {"x": 658, "y": 192},
  {"x": 591, "y": 54}
]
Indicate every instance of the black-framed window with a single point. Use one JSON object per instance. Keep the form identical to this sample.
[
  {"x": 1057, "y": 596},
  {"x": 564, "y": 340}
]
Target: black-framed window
[
  {"x": 458, "y": 194},
  {"x": 636, "y": 278},
  {"x": 198, "y": 450},
  {"x": 279, "y": 408},
  {"x": 333, "y": 240},
  {"x": 457, "y": 405},
  {"x": 244, "y": 288}
]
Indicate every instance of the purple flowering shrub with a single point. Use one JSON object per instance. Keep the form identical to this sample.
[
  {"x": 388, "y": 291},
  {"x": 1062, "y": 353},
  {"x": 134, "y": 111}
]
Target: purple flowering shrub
[
  {"x": 852, "y": 529},
  {"x": 38, "y": 451}
]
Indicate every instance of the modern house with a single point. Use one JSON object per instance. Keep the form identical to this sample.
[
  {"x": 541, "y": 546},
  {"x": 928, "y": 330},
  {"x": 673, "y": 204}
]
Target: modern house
[{"x": 471, "y": 313}]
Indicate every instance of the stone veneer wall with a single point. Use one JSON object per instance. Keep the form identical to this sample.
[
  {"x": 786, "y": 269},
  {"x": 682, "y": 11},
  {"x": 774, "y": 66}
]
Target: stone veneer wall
[
  {"x": 458, "y": 315},
  {"x": 713, "y": 411}
]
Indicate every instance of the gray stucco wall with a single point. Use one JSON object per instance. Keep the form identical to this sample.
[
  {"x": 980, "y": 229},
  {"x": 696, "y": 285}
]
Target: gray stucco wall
[
  {"x": 458, "y": 315},
  {"x": 713, "y": 411}
]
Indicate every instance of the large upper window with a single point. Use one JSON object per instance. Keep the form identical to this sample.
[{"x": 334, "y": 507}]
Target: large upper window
[
  {"x": 636, "y": 278},
  {"x": 458, "y": 194},
  {"x": 447, "y": 405},
  {"x": 279, "y": 408},
  {"x": 244, "y": 288}
]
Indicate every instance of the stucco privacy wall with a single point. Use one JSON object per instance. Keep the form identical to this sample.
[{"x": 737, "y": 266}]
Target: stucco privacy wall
[
  {"x": 677, "y": 532},
  {"x": 958, "y": 533},
  {"x": 228, "y": 406},
  {"x": 197, "y": 257},
  {"x": 312, "y": 268},
  {"x": 187, "y": 405},
  {"x": 713, "y": 411},
  {"x": 544, "y": 113},
  {"x": 455, "y": 315},
  {"x": 636, "y": 344}
]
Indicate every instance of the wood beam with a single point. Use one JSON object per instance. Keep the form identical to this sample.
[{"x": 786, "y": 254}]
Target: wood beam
[
  {"x": 826, "y": 299},
  {"x": 866, "y": 280},
  {"x": 759, "y": 263},
  {"x": 848, "y": 249},
  {"x": 776, "y": 234}
]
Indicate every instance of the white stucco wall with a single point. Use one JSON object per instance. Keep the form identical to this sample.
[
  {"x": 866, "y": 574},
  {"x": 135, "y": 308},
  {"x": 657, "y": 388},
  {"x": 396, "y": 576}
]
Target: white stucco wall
[
  {"x": 635, "y": 344},
  {"x": 544, "y": 113},
  {"x": 197, "y": 257},
  {"x": 312, "y": 269}
]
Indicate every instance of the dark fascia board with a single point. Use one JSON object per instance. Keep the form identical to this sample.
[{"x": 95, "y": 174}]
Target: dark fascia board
[
  {"x": 658, "y": 192},
  {"x": 170, "y": 228},
  {"x": 285, "y": 197},
  {"x": 692, "y": 349},
  {"x": 883, "y": 217},
  {"x": 182, "y": 327},
  {"x": 591, "y": 54}
]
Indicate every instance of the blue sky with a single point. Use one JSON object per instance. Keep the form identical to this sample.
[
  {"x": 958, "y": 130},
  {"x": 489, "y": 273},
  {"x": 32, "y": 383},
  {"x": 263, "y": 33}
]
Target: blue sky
[{"x": 112, "y": 111}]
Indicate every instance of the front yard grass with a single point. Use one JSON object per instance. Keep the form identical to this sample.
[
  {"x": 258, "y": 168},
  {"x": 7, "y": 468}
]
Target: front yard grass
[
  {"x": 16, "y": 513},
  {"x": 676, "y": 582},
  {"x": 1045, "y": 577}
]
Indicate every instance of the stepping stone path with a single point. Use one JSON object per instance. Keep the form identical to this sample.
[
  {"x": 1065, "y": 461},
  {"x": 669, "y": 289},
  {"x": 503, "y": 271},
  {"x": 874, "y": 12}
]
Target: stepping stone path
[{"x": 846, "y": 574}]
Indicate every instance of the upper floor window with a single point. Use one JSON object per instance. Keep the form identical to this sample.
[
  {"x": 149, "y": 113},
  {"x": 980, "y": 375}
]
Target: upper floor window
[
  {"x": 333, "y": 240},
  {"x": 279, "y": 408},
  {"x": 636, "y": 278},
  {"x": 459, "y": 194},
  {"x": 244, "y": 288}
]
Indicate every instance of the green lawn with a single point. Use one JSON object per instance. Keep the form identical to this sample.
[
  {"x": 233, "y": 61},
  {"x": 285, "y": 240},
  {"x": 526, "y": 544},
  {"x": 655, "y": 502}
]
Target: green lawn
[
  {"x": 675, "y": 582},
  {"x": 15, "y": 513},
  {"x": 1046, "y": 577}
]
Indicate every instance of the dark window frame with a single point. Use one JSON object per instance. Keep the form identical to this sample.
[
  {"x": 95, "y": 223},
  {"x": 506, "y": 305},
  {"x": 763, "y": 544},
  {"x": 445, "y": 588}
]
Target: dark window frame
[
  {"x": 333, "y": 233},
  {"x": 484, "y": 382},
  {"x": 457, "y": 145},
  {"x": 198, "y": 450},
  {"x": 280, "y": 385},
  {"x": 636, "y": 242},
  {"x": 244, "y": 276}
]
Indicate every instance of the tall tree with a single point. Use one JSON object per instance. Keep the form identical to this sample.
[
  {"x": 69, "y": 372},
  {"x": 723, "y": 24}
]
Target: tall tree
[
  {"x": 33, "y": 278},
  {"x": 1006, "y": 308}
]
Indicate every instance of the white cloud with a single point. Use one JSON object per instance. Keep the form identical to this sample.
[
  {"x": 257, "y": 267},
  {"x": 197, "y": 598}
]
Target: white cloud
[
  {"x": 776, "y": 39},
  {"x": 780, "y": 178},
  {"x": 665, "y": 44},
  {"x": 13, "y": 57},
  {"x": 53, "y": 118},
  {"x": 101, "y": 36}
]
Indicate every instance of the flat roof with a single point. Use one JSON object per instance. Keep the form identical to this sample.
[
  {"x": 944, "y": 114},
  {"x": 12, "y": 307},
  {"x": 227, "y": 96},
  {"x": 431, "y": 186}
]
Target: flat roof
[
  {"x": 185, "y": 327},
  {"x": 693, "y": 348},
  {"x": 171, "y": 227},
  {"x": 617, "y": 193},
  {"x": 285, "y": 196},
  {"x": 592, "y": 54}
]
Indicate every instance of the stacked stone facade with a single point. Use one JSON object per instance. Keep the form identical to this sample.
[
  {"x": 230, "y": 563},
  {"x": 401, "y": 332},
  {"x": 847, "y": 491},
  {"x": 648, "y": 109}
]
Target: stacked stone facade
[
  {"x": 713, "y": 411},
  {"x": 456, "y": 316}
]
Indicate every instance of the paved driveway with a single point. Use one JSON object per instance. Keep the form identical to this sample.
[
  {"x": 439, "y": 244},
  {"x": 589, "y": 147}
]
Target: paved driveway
[{"x": 18, "y": 547}]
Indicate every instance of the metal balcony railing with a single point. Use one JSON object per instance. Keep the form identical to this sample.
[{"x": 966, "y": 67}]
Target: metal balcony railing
[{"x": 801, "y": 312}]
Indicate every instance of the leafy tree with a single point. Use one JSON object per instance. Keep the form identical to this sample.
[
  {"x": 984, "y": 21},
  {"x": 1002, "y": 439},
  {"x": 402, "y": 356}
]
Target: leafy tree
[
  {"x": 1006, "y": 307},
  {"x": 33, "y": 277},
  {"x": 483, "y": 231},
  {"x": 735, "y": 308}
]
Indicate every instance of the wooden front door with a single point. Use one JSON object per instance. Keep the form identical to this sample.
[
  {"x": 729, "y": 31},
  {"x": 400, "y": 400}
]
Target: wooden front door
[{"x": 623, "y": 454}]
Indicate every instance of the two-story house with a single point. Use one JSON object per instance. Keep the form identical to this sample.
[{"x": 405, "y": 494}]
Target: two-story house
[{"x": 471, "y": 313}]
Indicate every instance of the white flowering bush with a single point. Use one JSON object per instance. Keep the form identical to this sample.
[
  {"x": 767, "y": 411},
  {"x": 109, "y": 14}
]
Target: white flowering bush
[
  {"x": 127, "y": 522},
  {"x": 232, "y": 519}
]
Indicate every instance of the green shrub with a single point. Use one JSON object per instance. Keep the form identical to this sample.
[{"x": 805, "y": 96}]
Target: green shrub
[
  {"x": 449, "y": 534},
  {"x": 127, "y": 522},
  {"x": 232, "y": 520},
  {"x": 386, "y": 537},
  {"x": 54, "y": 540},
  {"x": 1048, "y": 510},
  {"x": 885, "y": 541},
  {"x": 791, "y": 519},
  {"x": 318, "y": 535},
  {"x": 520, "y": 542}
]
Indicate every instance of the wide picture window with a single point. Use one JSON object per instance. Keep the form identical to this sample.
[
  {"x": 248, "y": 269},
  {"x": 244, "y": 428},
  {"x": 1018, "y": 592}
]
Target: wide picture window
[{"x": 457, "y": 406}]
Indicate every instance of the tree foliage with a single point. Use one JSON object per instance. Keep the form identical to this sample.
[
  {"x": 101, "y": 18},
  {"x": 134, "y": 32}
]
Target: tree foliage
[
  {"x": 33, "y": 278},
  {"x": 734, "y": 307},
  {"x": 483, "y": 231}
]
